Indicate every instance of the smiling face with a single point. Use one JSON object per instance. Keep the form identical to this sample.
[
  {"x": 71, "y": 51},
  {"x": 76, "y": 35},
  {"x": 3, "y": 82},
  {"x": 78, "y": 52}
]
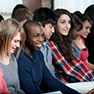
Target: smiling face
[
  {"x": 64, "y": 24},
  {"x": 86, "y": 29},
  {"x": 35, "y": 38},
  {"x": 15, "y": 43}
]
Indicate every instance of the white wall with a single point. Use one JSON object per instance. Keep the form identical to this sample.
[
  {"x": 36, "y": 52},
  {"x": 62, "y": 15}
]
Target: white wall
[
  {"x": 6, "y": 6},
  {"x": 73, "y": 5}
]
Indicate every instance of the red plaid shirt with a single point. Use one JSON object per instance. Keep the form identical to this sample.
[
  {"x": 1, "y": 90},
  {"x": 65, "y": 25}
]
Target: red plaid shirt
[{"x": 69, "y": 71}]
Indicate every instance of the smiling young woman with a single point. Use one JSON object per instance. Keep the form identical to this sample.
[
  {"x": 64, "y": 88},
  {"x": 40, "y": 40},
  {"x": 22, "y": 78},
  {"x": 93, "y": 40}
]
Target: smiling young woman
[
  {"x": 12, "y": 37},
  {"x": 67, "y": 67},
  {"x": 80, "y": 43}
]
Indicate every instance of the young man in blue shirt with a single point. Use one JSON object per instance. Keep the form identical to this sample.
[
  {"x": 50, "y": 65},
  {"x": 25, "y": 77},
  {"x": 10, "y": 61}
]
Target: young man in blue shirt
[
  {"x": 31, "y": 65},
  {"x": 46, "y": 18}
]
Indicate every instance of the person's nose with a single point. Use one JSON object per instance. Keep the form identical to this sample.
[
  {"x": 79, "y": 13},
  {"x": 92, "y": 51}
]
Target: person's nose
[
  {"x": 67, "y": 25},
  {"x": 88, "y": 30},
  {"x": 18, "y": 44},
  {"x": 53, "y": 30}
]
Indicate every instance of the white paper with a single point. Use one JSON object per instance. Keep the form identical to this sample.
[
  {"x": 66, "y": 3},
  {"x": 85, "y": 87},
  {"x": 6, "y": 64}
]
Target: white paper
[
  {"x": 82, "y": 87},
  {"x": 55, "y": 92}
]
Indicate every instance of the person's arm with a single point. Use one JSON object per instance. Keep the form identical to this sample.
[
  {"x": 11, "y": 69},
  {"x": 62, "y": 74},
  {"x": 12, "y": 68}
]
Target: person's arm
[
  {"x": 17, "y": 83},
  {"x": 90, "y": 65},
  {"x": 3, "y": 85},
  {"x": 54, "y": 84},
  {"x": 75, "y": 69},
  {"x": 25, "y": 78}
]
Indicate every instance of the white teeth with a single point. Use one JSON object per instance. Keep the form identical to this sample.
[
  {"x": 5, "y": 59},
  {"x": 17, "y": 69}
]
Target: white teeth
[
  {"x": 39, "y": 45},
  {"x": 86, "y": 34},
  {"x": 13, "y": 48}
]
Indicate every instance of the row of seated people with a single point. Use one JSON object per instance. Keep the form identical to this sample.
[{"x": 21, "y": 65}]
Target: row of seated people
[{"x": 49, "y": 46}]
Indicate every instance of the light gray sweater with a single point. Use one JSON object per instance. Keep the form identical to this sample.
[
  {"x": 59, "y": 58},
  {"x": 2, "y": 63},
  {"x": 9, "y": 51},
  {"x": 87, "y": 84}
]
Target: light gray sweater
[
  {"x": 11, "y": 76},
  {"x": 47, "y": 53}
]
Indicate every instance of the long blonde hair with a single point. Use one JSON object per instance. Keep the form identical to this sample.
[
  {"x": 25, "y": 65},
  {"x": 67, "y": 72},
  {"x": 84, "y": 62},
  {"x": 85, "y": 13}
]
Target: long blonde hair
[{"x": 8, "y": 29}]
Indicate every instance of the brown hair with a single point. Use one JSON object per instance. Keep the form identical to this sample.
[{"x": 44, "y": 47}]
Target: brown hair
[
  {"x": 64, "y": 42},
  {"x": 8, "y": 29},
  {"x": 23, "y": 14}
]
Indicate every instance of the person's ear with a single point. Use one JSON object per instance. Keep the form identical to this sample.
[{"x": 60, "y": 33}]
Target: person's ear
[
  {"x": 40, "y": 24},
  {"x": 22, "y": 22}
]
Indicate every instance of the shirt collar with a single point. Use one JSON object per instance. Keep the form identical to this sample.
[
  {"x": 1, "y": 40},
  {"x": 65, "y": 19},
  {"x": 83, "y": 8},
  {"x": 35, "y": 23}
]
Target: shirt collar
[{"x": 46, "y": 43}]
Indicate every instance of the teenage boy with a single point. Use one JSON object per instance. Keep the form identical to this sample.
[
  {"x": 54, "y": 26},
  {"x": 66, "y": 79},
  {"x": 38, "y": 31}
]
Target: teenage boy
[
  {"x": 31, "y": 65},
  {"x": 46, "y": 18},
  {"x": 22, "y": 15}
]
